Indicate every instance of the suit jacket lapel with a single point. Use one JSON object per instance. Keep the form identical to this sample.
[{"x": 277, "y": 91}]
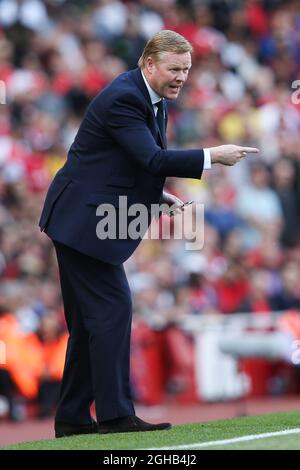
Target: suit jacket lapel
[{"x": 138, "y": 79}]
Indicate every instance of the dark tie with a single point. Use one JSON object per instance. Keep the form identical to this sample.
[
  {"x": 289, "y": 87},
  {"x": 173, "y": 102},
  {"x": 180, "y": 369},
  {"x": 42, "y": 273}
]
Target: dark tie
[{"x": 160, "y": 117}]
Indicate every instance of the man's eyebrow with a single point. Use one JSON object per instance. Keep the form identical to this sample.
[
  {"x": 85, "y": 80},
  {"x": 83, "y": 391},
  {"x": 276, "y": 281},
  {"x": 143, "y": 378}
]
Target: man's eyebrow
[{"x": 177, "y": 66}]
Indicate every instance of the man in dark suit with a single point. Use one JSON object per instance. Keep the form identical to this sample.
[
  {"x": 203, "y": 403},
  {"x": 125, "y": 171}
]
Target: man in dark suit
[{"x": 119, "y": 150}]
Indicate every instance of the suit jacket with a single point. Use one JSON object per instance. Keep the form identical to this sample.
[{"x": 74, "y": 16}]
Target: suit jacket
[{"x": 118, "y": 150}]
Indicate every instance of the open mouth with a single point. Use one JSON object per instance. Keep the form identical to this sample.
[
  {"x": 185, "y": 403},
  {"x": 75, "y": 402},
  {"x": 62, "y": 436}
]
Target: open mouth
[{"x": 175, "y": 87}]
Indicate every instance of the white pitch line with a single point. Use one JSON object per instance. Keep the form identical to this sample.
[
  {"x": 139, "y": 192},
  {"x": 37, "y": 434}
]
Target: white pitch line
[{"x": 251, "y": 437}]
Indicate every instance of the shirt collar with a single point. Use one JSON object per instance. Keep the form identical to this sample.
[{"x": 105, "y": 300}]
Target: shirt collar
[{"x": 155, "y": 98}]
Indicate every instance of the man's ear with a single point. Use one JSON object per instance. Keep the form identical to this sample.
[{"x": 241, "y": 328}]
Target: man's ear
[{"x": 149, "y": 65}]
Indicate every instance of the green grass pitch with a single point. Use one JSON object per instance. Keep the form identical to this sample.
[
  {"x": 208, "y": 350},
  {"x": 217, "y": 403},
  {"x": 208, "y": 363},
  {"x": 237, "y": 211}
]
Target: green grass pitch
[{"x": 190, "y": 436}]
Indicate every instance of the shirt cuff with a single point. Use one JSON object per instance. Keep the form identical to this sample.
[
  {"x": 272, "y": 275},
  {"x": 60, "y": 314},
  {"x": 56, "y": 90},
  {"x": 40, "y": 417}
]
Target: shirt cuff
[{"x": 207, "y": 159}]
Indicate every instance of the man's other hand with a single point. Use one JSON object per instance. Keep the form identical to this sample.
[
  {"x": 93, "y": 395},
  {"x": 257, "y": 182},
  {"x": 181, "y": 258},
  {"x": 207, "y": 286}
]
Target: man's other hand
[{"x": 173, "y": 202}]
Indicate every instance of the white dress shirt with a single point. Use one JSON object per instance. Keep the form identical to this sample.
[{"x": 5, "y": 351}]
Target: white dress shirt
[{"x": 155, "y": 98}]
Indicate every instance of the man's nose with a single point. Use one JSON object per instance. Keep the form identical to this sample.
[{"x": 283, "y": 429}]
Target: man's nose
[{"x": 181, "y": 76}]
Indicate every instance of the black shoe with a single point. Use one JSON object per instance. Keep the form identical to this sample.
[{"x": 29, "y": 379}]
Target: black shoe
[
  {"x": 67, "y": 429},
  {"x": 130, "y": 424}
]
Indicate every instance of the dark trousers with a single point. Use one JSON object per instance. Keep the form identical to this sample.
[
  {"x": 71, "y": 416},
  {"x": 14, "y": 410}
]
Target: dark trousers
[{"x": 98, "y": 311}]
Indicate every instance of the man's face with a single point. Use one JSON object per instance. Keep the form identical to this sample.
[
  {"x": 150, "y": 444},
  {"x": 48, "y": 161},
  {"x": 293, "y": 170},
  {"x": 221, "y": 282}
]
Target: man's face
[{"x": 168, "y": 75}]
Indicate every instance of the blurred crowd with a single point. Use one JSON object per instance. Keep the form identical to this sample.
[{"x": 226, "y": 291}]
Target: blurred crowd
[{"x": 55, "y": 55}]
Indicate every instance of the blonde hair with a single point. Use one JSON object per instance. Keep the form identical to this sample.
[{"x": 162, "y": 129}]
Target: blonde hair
[{"x": 164, "y": 41}]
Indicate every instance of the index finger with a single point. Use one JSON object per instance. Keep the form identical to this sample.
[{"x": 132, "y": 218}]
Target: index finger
[{"x": 249, "y": 149}]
